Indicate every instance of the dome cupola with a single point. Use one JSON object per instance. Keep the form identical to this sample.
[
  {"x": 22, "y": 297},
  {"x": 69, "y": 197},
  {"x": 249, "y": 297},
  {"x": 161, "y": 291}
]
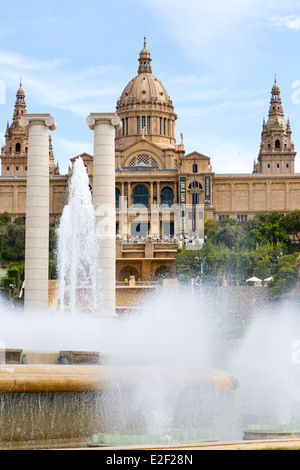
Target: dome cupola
[{"x": 145, "y": 108}]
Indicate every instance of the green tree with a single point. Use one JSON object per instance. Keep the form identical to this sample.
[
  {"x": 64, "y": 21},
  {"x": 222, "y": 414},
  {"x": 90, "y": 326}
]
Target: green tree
[
  {"x": 291, "y": 222},
  {"x": 267, "y": 228},
  {"x": 236, "y": 251},
  {"x": 19, "y": 221},
  {"x": 13, "y": 243},
  {"x": 5, "y": 218},
  {"x": 285, "y": 276}
]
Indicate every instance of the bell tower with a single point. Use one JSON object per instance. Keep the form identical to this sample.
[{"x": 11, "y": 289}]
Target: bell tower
[
  {"x": 14, "y": 153},
  {"x": 277, "y": 153}
]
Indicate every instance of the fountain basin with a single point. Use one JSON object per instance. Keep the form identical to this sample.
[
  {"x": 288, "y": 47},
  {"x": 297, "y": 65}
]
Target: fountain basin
[
  {"x": 84, "y": 378},
  {"x": 53, "y": 405},
  {"x": 272, "y": 431}
]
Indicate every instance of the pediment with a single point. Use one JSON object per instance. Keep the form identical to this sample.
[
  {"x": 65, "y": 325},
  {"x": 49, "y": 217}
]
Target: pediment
[
  {"x": 197, "y": 155},
  {"x": 142, "y": 146},
  {"x": 84, "y": 156}
]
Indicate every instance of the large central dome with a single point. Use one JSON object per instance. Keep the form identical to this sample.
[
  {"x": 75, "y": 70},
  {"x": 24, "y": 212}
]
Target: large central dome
[
  {"x": 146, "y": 108},
  {"x": 144, "y": 88}
]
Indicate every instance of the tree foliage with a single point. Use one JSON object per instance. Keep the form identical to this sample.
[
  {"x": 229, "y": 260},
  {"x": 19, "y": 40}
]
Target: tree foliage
[
  {"x": 285, "y": 276},
  {"x": 291, "y": 223},
  {"x": 234, "y": 252},
  {"x": 12, "y": 242}
]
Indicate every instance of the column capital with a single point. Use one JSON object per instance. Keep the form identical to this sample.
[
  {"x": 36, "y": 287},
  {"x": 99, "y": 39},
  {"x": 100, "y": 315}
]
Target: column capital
[
  {"x": 111, "y": 118},
  {"x": 31, "y": 119}
]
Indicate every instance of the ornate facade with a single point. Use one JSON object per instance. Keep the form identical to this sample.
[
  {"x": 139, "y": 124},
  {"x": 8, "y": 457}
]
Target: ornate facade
[{"x": 152, "y": 169}]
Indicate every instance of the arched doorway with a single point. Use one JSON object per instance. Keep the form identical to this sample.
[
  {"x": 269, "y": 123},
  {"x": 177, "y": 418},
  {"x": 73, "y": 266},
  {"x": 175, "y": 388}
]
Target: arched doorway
[{"x": 126, "y": 272}]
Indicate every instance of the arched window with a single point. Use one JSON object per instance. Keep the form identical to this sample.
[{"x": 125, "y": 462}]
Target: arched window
[
  {"x": 141, "y": 196},
  {"x": 195, "y": 168},
  {"x": 118, "y": 195},
  {"x": 138, "y": 125},
  {"x": 195, "y": 185},
  {"x": 143, "y": 160},
  {"x": 277, "y": 144},
  {"x": 18, "y": 147},
  {"x": 143, "y": 123},
  {"x": 167, "y": 196},
  {"x": 148, "y": 125}
]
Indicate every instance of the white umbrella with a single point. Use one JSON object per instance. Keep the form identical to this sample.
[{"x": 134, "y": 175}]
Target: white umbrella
[
  {"x": 268, "y": 279},
  {"x": 254, "y": 279}
]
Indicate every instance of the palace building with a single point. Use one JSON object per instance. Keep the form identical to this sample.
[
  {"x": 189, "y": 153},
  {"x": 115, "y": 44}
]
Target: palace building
[{"x": 155, "y": 173}]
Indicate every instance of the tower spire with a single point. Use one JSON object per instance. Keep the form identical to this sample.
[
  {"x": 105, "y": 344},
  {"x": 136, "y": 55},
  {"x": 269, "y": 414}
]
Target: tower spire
[
  {"x": 20, "y": 106},
  {"x": 276, "y": 110},
  {"x": 145, "y": 60}
]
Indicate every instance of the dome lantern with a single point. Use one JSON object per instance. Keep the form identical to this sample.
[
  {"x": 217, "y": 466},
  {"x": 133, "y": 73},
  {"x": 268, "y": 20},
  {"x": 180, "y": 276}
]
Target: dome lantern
[{"x": 145, "y": 60}]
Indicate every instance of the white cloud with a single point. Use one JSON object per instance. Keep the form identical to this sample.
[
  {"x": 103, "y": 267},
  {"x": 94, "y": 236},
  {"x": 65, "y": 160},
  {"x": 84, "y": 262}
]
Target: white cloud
[
  {"x": 12, "y": 61},
  {"x": 53, "y": 83},
  {"x": 286, "y": 22},
  {"x": 219, "y": 34}
]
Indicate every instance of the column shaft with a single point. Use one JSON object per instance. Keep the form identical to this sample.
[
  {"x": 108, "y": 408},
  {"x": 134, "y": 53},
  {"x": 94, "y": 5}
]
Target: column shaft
[
  {"x": 37, "y": 211},
  {"x": 104, "y": 126}
]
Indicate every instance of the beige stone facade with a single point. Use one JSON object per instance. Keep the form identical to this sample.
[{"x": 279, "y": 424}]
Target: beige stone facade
[{"x": 151, "y": 169}]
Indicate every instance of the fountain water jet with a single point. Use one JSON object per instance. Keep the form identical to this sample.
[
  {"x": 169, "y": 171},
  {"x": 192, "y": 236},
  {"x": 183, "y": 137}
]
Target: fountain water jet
[{"x": 78, "y": 247}]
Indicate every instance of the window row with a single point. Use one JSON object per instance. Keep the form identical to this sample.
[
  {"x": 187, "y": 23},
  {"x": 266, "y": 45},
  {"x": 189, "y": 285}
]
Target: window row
[
  {"x": 277, "y": 145},
  {"x": 164, "y": 126},
  {"x": 17, "y": 168},
  {"x": 18, "y": 148},
  {"x": 278, "y": 165},
  {"x": 141, "y": 196},
  {"x": 144, "y": 126},
  {"x": 239, "y": 218}
]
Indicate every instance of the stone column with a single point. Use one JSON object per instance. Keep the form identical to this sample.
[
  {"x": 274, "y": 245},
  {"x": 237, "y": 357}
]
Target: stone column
[
  {"x": 37, "y": 211},
  {"x": 129, "y": 199},
  {"x": 104, "y": 125},
  {"x": 158, "y": 195}
]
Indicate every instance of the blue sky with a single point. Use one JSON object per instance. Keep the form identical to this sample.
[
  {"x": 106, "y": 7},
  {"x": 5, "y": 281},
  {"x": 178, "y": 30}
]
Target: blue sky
[{"x": 216, "y": 59}]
